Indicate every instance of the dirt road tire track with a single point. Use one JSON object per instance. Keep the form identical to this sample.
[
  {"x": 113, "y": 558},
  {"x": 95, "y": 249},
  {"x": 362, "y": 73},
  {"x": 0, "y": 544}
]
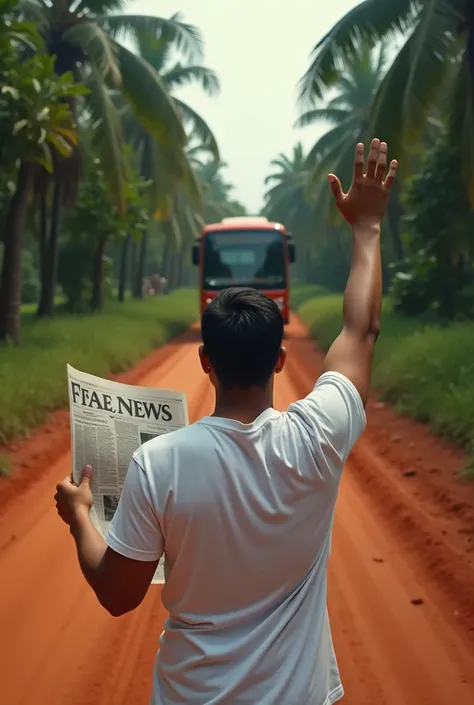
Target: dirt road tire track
[{"x": 396, "y": 539}]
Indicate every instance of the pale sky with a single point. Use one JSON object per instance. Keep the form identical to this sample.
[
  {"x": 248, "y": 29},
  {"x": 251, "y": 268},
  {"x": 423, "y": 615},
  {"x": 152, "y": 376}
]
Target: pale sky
[{"x": 260, "y": 49}]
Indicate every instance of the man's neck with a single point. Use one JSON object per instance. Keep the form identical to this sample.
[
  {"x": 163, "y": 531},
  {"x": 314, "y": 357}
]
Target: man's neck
[{"x": 243, "y": 405}]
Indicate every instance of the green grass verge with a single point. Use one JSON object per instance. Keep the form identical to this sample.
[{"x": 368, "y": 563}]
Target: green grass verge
[
  {"x": 303, "y": 292},
  {"x": 33, "y": 375},
  {"x": 426, "y": 372},
  {"x": 30, "y": 309}
]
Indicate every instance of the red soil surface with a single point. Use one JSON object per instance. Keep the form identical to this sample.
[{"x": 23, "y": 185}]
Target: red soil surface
[{"x": 401, "y": 575}]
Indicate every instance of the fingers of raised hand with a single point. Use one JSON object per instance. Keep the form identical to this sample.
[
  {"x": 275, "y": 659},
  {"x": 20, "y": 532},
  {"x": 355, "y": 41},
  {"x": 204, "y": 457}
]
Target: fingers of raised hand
[
  {"x": 392, "y": 173},
  {"x": 359, "y": 161},
  {"x": 381, "y": 162},
  {"x": 373, "y": 158}
]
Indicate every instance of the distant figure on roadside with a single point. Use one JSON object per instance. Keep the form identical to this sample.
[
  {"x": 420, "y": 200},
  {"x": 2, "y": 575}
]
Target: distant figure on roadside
[{"x": 242, "y": 502}]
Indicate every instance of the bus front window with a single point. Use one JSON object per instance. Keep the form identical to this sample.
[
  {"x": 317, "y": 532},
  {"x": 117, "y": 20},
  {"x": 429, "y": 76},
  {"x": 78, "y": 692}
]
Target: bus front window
[{"x": 245, "y": 258}]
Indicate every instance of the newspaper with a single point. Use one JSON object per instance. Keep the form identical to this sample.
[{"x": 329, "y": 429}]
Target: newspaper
[{"x": 109, "y": 421}]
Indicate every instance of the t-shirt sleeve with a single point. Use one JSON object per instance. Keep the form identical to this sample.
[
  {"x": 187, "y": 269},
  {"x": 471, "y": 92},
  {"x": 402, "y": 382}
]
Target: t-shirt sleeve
[
  {"x": 134, "y": 531},
  {"x": 330, "y": 419}
]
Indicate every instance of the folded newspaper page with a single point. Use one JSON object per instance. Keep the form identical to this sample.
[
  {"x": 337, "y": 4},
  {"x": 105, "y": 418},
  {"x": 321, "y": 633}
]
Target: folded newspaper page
[{"x": 109, "y": 421}]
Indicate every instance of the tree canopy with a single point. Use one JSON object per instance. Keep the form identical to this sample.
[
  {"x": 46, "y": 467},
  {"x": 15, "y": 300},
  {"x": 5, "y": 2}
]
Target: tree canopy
[{"x": 103, "y": 166}]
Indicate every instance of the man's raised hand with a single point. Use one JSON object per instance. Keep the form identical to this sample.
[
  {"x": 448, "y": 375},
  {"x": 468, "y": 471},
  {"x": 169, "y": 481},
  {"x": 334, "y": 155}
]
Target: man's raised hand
[{"x": 368, "y": 197}]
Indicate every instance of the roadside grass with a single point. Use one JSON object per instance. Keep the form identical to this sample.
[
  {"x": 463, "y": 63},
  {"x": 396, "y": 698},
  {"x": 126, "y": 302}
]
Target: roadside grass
[
  {"x": 303, "y": 292},
  {"x": 33, "y": 375},
  {"x": 30, "y": 309},
  {"x": 425, "y": 372}
]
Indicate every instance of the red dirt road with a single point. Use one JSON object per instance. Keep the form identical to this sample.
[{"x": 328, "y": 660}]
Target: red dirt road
[{"x": 401, "y": 595}]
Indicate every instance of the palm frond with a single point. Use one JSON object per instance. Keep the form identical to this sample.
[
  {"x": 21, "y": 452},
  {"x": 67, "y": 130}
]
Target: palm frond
[
  {"x": 31, "y": 10},
  {"x": 162, "y": 185},
  {"x": 167, "y": 170},
  {"x": 173, "y": 232},
  {"x": 186, "y": 38},
  {"x": 196, "y": 150},
  {"x": 107, "y": 138},
  {"x": 98, "y": 47},
  {"x": 321, "y": 114},
  {"x": 133, "y": 132},
  {"x": 153, "y": 107},
  {"x": 330, "y": 142},
  {"x": 180, "y": 76},
  {"x": 191, "y": 183},
  {"x": 438, "y": 24},
  {"x": 185, "y": 216},
  {"x": 382, "y": 60},
  {"x": 368, "y": 23},
  {"x": 85, "y": 8},
  {"x": 278, "y": 176},
  {"x": 401, "y": 107},
  {"x": 282, "y": 162},
  {"x": 199, "y": 127}
]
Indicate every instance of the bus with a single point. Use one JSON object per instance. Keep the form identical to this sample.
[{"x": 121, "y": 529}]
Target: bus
[{"x": 245, "y": 252}]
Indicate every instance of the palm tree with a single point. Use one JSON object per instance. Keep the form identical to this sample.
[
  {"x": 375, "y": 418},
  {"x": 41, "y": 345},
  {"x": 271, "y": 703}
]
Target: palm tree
[
  {"x": 165, "y": 167},
  {"x": 288, "y": 200},
  {"x": 349, "y": 113},
  {"x": 36, "y": 126},
  {"x": 187, "y": 221},
  {"x": 435, "y": 64},
  {"x": 86, "y": 38},
  {"x": 217, "y": 191}
]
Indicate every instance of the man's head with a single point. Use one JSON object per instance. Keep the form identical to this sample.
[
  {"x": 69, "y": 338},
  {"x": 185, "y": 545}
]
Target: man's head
[{"x": 242, "y": 332}]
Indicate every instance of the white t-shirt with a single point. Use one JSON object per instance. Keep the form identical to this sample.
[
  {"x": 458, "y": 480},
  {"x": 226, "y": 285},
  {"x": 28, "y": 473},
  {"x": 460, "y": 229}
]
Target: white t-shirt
[{"x": 244, "y": 515}]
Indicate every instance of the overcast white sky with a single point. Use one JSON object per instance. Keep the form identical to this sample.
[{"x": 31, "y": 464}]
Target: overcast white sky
[{"x": 260, "y": 49}]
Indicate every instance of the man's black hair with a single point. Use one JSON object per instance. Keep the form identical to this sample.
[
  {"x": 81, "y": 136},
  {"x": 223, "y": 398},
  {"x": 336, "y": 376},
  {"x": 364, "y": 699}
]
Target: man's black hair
[{"x": 242, "y": 332}]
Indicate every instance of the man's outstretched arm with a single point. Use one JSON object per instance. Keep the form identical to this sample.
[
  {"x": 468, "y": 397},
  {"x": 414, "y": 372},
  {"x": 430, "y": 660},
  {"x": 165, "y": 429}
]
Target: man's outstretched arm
[{"x": 363, "y": 207}]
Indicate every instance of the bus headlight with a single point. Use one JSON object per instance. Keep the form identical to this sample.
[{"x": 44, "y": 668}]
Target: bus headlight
[{"x": 208, "y": 301}]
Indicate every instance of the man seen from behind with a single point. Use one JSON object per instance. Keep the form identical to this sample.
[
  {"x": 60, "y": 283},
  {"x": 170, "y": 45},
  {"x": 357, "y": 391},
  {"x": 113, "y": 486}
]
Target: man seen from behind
[{"x": 242, "y": 502}]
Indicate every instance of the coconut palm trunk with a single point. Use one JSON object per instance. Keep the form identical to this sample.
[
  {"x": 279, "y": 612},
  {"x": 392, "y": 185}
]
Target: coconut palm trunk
[
  {"x": 50, "y": 266},
  {"x": 97, "y": 298},
  {"x": 140, "y": 270},
  {"x": 147, "y": 173},
  {"x": 43, "y": 249},
  {"x": 10, "y": 284},
  {"x": 124, "y": 268},
  {"x": 165, "y": 261}
]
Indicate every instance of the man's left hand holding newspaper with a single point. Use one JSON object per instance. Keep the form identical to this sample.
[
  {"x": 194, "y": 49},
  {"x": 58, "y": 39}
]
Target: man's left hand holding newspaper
[{"x": 120, "y": 583}]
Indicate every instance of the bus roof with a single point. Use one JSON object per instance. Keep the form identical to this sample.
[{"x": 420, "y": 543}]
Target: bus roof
[{"x": 244, "y": 223}]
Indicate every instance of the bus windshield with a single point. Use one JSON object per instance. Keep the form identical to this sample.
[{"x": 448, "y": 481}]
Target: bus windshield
[{"x": 253, "y": 258}]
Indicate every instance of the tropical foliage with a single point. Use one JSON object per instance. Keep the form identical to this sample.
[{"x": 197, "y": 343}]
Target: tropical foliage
[
  {"x": 437, "y": 277},
  {"x": 101, "y": 160},
  {"x": 348, "y": 112},
  {"x": 433, "y": 67},
  {"x": 403, "y": 71},
  {"x": 167, "y": 168}
]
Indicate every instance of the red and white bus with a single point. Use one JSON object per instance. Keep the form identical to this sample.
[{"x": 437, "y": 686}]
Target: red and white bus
[{"x": 246, "y": 252}]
